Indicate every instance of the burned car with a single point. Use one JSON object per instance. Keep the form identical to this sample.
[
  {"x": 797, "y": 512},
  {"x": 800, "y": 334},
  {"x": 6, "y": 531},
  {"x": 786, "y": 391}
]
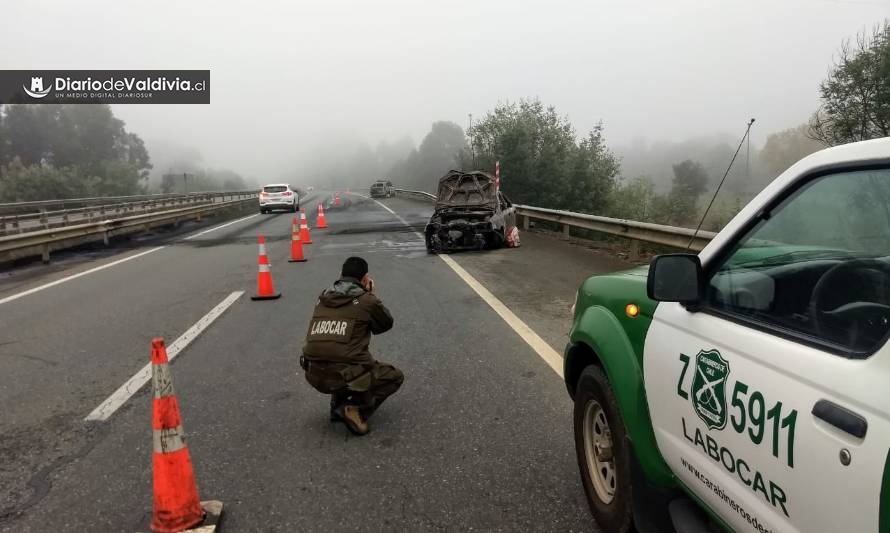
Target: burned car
[{"x": 470, "y": 214}]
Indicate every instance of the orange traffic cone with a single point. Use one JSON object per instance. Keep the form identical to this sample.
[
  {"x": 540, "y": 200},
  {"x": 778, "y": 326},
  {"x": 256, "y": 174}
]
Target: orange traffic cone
[
  {"x": 296, "y": 245},
  {"x": 304, "y": 229},
  {"x": 264, "y": 290},
  {"x": 176, "y": 505},
  {"x": 320, "y": 221},
  {"x": 337, "y": 199}
]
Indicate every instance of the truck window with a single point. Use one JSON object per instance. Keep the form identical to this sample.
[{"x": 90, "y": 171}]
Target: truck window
[{"x": 817, "y": 268}]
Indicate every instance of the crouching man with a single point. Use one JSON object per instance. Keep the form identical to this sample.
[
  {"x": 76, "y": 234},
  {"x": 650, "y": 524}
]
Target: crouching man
[{"x": 335, "y": 357}]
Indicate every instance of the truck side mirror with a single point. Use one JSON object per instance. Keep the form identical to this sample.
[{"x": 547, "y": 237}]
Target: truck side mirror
[{"x": 675, "y": 278}]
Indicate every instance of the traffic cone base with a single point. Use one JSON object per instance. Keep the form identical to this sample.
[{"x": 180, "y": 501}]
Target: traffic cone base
[
  {"x": 213, "y": 510},
  {"x": 266, "y": 297}
]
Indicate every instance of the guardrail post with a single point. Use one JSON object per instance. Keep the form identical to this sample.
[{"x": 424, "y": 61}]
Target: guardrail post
[
  {"x": 566, "y": 230},
  {"x": 3, "y": 225},
  {"x": 45, "y": 253},
  {"x": 15, "y": 224},
  {"x": 65, "y": 218},
  {"x": 525, "y": 222},
  {"x": 634, "y": 250},
  {"x": 105, "y": 238},
  {"x": 43, "y": 220}
]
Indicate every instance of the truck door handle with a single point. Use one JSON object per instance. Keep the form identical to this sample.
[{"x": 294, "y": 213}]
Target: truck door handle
[{"x": 841, "y": 418}]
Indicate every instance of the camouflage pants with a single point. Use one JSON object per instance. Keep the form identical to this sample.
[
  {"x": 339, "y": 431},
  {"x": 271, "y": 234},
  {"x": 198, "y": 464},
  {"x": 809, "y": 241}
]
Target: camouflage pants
[{"x": 365, "y": 385}]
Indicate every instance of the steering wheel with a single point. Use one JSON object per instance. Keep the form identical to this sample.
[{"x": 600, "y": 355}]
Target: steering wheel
[{"x": 868, "y": 311}]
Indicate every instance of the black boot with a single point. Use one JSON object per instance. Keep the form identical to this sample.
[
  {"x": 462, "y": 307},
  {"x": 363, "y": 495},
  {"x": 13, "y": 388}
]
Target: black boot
[{"x": 337, "y": 400}]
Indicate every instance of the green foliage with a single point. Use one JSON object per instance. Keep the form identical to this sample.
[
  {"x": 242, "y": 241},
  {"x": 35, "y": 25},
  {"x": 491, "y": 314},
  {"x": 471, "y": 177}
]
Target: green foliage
[
  {"x": 635, "y": 200},
  {"x": 856, "y": 94},
  {"x": 204, "y": 179},
  {"x": 690, "y": 181},
  {"x": 785, "y": 148},
  {"x": 62, "y": 151},
  {"x": 542, "y": 163},
  {"x": 439, "y": 152}
]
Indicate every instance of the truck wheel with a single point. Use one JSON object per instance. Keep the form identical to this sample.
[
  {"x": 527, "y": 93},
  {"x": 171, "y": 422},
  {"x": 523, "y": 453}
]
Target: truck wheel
[{"x": 603, "y": 455}]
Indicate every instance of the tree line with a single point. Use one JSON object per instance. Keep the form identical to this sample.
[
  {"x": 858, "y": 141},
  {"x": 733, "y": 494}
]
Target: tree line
[
  {"x": 65, "y": 151},
  {"x": 545, "y": 162}
]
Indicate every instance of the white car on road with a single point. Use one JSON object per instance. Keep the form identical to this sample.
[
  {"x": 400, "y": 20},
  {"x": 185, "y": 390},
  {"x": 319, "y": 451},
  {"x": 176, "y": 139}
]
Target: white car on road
[{"x": 279, "y": 196}]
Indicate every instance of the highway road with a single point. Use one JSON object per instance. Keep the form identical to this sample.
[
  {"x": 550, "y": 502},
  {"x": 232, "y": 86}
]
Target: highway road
[{"x": 479, "y": 437}]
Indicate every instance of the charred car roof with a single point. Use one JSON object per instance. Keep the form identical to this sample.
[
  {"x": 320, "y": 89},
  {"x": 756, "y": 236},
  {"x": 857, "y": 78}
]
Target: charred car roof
[{"x": 466, "y": 189}]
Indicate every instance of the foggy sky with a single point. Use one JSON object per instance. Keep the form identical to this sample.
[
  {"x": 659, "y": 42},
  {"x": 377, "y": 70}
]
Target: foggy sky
[{"x": 288, "y": 76}]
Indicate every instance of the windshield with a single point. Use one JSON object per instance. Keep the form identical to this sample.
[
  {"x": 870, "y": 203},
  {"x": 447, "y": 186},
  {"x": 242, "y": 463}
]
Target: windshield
[
  {"x": 844, "y": 217},
  {"x": 818, "y": 264}
]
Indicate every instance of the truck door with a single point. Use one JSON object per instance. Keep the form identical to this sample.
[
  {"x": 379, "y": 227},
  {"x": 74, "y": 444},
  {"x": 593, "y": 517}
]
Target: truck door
[{"x": 770, "y": 398}]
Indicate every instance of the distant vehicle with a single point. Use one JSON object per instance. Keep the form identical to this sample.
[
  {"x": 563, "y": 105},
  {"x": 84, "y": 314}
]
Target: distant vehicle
[
  {"x": 746, "y": 386},
  {"x": 470, "y": 214},
  {"x": 279, "y": 196},
  {"x": 382, "y": 189}
]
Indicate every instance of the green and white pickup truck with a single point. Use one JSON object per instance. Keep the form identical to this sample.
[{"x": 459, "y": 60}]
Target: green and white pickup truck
[{"x": 747, "y": 387}]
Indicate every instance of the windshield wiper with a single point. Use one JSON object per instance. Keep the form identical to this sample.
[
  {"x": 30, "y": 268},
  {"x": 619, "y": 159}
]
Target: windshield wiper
[{"x": 797, "y": 255}]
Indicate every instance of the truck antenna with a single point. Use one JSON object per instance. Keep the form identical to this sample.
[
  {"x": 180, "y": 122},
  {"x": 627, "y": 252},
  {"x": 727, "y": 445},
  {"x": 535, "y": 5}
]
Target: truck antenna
[{"x": 702, "y": 221}]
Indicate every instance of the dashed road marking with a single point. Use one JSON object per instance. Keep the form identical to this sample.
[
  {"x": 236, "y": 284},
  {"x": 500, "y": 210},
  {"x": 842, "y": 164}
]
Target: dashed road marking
[
  {"x": 79, "y": 274},
  {"x": 132, "y": 385},
  {"x": 539, "y": 345}
]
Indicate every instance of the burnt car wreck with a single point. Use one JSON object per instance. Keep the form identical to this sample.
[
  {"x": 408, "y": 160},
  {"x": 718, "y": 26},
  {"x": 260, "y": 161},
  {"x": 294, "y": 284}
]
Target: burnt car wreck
[{"x": 470, "y": 214}]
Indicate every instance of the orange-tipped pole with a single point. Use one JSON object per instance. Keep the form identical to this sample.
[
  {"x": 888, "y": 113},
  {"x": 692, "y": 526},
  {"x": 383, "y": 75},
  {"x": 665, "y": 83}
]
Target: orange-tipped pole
[
  {"x": 176, "y": 504},
  {"x": 265, "y": 289},
  {"x": 304, "y": 229},
  {"x": 320, "y": 221}
]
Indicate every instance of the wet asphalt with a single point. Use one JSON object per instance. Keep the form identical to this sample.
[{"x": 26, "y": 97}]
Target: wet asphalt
[{"x": 479, "y": 437}]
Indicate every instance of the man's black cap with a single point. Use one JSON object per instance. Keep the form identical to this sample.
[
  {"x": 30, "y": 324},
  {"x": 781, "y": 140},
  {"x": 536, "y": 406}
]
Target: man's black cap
[{"x": 355, "y": 267}]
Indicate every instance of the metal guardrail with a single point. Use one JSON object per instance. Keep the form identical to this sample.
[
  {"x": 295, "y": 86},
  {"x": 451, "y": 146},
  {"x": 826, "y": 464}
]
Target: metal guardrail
[
  {"x": 69, "y": 203},
  {"x": 630, "y": 229},
  {"x": 416, "y": 194},
  {"x": 44, "y": 219},
  {"x": 44, "y": 241}
]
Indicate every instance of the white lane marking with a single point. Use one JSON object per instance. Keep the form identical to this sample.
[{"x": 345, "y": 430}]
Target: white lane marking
[
  {"x": 75, "y": 276},
  {"x": 402, "y": 220},
  {"x": 111, "y": 264},
  {"x": 221, "y": 226},
  {"x": 539, "y": 345},
  {"x": 132, "y": 386}
]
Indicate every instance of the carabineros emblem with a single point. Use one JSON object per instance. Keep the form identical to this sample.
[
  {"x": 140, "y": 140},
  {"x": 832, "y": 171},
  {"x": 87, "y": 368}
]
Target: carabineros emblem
[{"x": 709, "y": 388}]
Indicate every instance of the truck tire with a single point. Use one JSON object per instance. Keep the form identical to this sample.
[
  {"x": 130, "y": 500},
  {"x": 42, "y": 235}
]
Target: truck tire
[{"x": 602, "y": 450}]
